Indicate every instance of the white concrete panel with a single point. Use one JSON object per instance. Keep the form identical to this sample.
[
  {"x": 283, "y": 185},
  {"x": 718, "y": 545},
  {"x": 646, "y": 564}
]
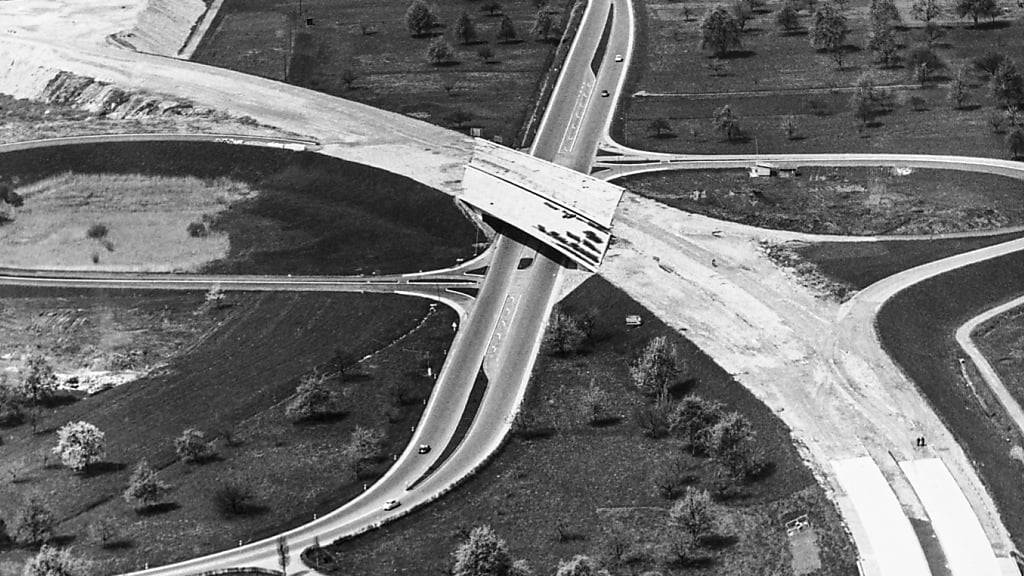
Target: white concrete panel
[
  {"x": 967, "y": 549},
  {"x": 892, "y": 545}
]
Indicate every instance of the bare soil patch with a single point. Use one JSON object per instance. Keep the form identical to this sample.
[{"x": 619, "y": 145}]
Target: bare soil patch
[
  {"x": 371, "y": 42},
  {"x": 602, "y": 477},
  {"x": 234, "y": 382},
  {"x": 775, "y": 76},
  {"x": 278, "y": 211},
  {"x": 849, "y": 201}
]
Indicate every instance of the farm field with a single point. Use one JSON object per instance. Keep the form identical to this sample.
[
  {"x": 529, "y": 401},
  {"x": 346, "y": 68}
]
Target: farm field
[
  {"x": 849, "y": 201},
  {"x": 256, "y": 210},
  {"x": 232, "y": 380},
  {"x": 775, "y": 76},
  {"x": 364, "y": 52},
  {"x": 603, "y": 476},
  {"x": 916, "y": 328}
]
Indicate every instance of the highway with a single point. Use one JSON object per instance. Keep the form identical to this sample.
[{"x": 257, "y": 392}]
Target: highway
[{"x": 506, "y": 325}]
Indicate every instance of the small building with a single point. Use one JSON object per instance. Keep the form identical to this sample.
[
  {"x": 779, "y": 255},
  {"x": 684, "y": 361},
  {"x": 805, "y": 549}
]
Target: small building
[
  {"x": 634, "y": 320},
  {"x": 476, "y": 131},
  {"x": 762, "y": 169},
  {"x": 788, "y": 172}
]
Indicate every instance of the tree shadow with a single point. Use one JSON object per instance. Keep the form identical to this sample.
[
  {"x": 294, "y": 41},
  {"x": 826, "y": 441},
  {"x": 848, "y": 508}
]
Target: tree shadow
[
  {"x": 62, "y": 541},
  {"x": 101, "y": 468},
  {"x": 322, "y": 418},
  {"x": 797, "y": 32},
  {"x": 737, "y": 54},
  {"x": 445, "y": 64},
  {"x": 59, "y": 400},
  {"x": 665, "y": 136},
  {"x": 161, "y": 508},
  {"x": 513, "y": 41},
  {"x": 606, "y": 420},
  {"x": 119, "y": 544},
  {"x": 718, "y": 541},
  {"x": 798, "y": 138},
  {"x": 992, "y": 25}
]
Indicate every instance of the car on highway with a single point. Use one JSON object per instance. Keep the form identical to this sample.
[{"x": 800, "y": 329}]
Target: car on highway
[
  {"x": 618, "y": 57},
  {"x": 604, "y": 93},
  {"x": 391, "y": 504},
  {"x": 424, "y": 448}
]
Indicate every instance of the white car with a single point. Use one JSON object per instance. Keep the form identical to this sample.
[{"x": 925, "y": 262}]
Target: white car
[
  {"x": 391, "y": 504},
  {"x": 618, "y": 57},
  {"x": 604, "y": 93}
]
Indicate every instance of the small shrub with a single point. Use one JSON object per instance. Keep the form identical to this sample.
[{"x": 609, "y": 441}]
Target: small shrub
[
  {"x": 565, "y": 335},
  {"x": 693, "y": 419},
  {"x": 989, "y": 62},
  {"x": 364, "y": 444},
  {"x": 595, "y": 406},
  {"x": 97, "y": 231},
  {"x": 198, "y": 229},
  {"x": 33, "y": 523},
  {"x": 694, "y": 513},
  {"x": 50, "y": 561},
  {"x": 657, "y": 367},
  {"x": 105, "y": 531},
  {"x": 313, "y": 400},
  {"x": 193, "y": 447},
  {"x": 144, "y": 488},
  {"x": 440, "y": 51},
  {"x": 652, "y": 419}
]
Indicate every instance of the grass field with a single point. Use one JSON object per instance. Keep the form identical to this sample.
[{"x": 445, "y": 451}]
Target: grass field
[
  {"x": 1001, "y": 339},
  {"x": 775, "y": 76},
  {"x": 854, "y": 201},
  {"x": 602, "y": 477},
  {"x": 916, "y": 328},
  {"x": 364, "y": 52},
  {"x": 310, "y": 214},
  {"x": 118, "y": 222},
  {"x": 234, "y": 386}
]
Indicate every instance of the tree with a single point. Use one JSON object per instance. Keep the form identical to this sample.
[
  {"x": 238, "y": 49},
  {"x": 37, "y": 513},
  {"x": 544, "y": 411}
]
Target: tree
[
  {"x": 440, "y": 51},
  {"x": 492, "y": 7},
  {"x": 693, "y": 418},
  {"x": 652, "y": 419},
  {"x": 828, "y": 31},
  {"x": 144, "y": 489},
  {"x": 694, "y": 512},
  {"x": 482, "y": 554},
  {"x": 33, "y": 523},
  {"x": 727, "y": 123},
  {"x": 418, "y": 18},
  {"x": 485, "y": 53},
  {"x": 867, "y": 101},
  {"x": 193, "y": 447},
  {"x": 11, "y": 412},
  {"x": 313, "y": 400},
  {"x": 989, "y": 62},
  {"x": 742, "y": 12},
  {"x": 959, "y": 89},
  {"x": 882, "y": 41},
  {"x": 926, "y": 10},
  {"x": 885, "y": 12},
  {"x": 1015, "y": 141},
  {"x": 580, "y": 566},
  {"x": 923, "y": 58},
  {"x": 595, "y": 405},
  {"x": 1007, "y": 84},
  {"x": 671, "y": 479},
  {"x": 50, "y": 561},
  {"x": 79, "y": 444},
  {"x": 977, "y": 9},
  {"x": 656, "y": 368},
  {"x": 542, "y": 25},
  {"x": 565, "y": 335},
  {"x": 789, "y": 127},
  {"x": 521, "y": 568},
  {"x": 364, "y": 444},
  {"x": 105, "y": 531},
  {"x": 507, "y": 30},
  {"x": 234, "y": 498},
  {"x": 719, "y": 31},
  {"x": 787, "y": 18},
  {"x": 465, "y": 30},
  {"x": 38, "y": 384}
]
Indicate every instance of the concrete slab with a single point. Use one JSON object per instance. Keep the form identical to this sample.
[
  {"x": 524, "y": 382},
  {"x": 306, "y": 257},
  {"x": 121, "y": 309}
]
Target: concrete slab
[
  {"x": 892, "y": 547},
  {"x": 555, "y": 225},
  {"x": 587, "y": 196},
  {"x": 963, "y": 540}
]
